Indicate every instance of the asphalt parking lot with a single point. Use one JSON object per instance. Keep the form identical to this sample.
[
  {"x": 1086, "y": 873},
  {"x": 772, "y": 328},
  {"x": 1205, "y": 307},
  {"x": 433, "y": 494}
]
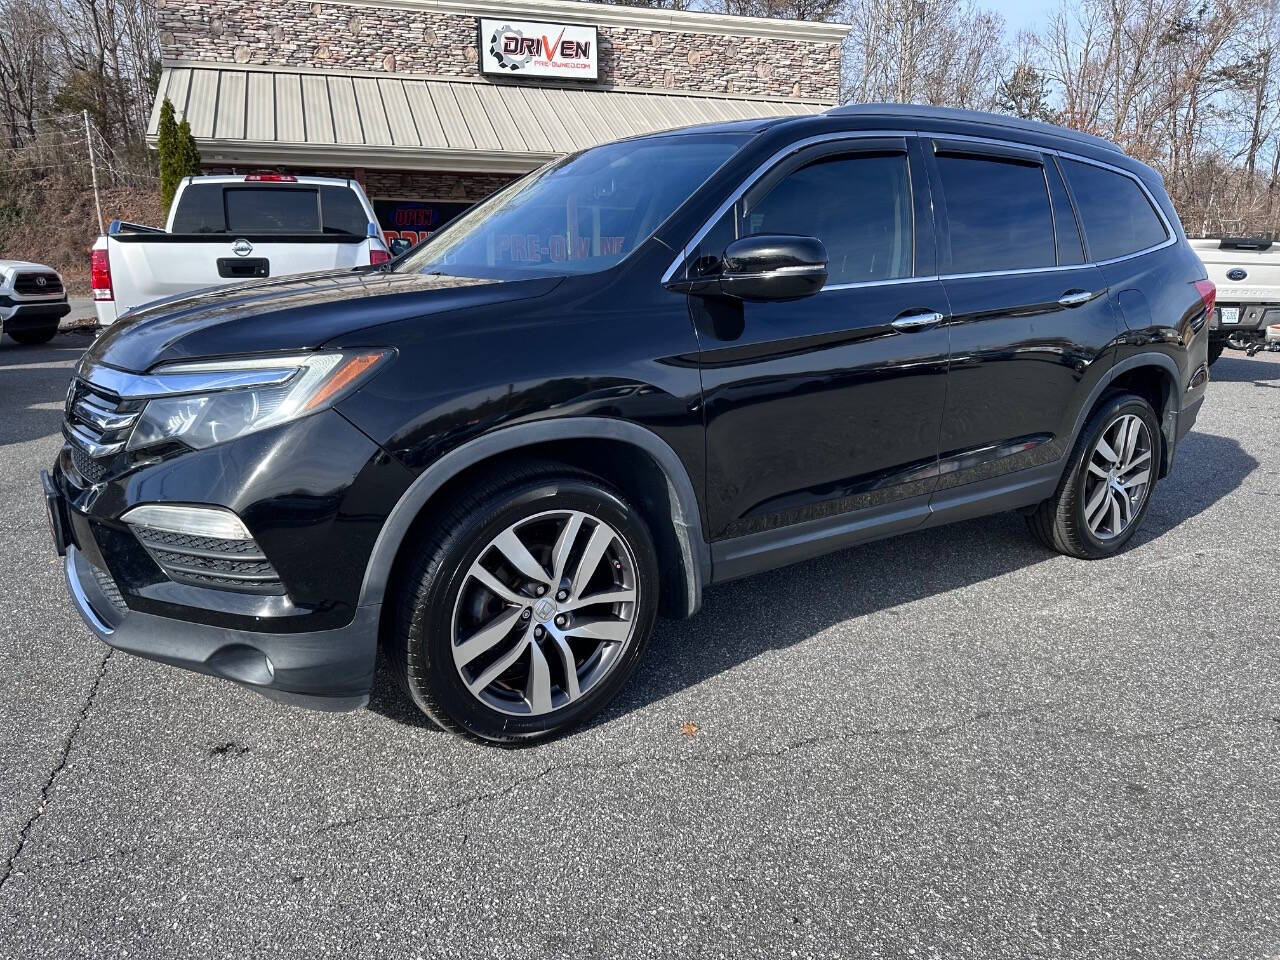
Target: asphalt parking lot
[{"x": 952, "y": 744}]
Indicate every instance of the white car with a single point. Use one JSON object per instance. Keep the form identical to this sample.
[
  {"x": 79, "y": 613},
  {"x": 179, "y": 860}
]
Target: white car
[
  {"x": 235, "y": 228},
  {"x": 32, "y": 301},
  {"x": 1246, "y": 271}
]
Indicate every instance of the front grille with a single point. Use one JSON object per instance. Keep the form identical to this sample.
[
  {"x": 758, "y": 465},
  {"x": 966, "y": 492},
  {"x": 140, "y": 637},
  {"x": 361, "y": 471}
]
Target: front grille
[
  {"x": 41, "y": 284},
  {"x": 211, "y": 561},
  {"x": 109, "y": 589},
  {"x": 92, "y": 470},
  {"x": 97, "y": 425}
]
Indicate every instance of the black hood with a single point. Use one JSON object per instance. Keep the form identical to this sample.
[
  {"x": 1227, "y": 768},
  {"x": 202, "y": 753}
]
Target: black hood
[{"x": 291, "y": 313}]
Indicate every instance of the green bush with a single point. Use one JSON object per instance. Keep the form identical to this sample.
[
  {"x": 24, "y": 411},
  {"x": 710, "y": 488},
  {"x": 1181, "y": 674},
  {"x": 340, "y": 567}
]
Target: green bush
[{"x": 179, "y": 156}]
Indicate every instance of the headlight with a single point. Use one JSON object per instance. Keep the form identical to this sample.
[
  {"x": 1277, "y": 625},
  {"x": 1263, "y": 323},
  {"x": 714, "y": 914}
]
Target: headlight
[{"x": 214, "y": 401}]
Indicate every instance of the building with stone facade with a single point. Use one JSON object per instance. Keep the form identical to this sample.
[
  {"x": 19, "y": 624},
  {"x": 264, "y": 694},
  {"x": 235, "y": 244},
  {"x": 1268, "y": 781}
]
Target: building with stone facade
[{"x": 433, "y": 104}]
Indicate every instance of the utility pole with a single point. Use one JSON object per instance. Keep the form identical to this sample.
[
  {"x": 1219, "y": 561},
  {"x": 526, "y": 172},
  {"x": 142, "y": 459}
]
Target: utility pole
[{"x": 93, "y": 169}]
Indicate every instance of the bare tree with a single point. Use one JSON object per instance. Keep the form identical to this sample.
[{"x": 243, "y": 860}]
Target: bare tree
[{"x": 924, "y": 51}]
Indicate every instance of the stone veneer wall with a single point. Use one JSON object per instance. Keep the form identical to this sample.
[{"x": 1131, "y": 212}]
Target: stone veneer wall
[{"x": 319, "y": 35}]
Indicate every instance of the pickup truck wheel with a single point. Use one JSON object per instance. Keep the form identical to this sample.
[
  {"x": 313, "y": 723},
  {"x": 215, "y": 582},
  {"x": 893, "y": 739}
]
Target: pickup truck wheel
[
  {"x": 527, "y": 607},
  {"x": 32, "y": 337},
  {"x": 1107, "y": 487},
  {"x": 1215, "y": 350}
]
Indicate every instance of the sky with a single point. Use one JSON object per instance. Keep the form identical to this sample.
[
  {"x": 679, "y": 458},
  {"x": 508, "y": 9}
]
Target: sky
[{"x": 1020, "y": 14}]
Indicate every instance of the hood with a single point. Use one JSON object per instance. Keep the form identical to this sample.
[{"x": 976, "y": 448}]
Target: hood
[{"x": 293, "y": 313}]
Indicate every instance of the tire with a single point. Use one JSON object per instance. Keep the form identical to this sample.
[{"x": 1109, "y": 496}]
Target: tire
[
  {"x": 441, "y": 595},
  {"x": 1064, "y": 522},
  {"x": 33, "y": 336},
  {"x": 1215, "y": 350}
]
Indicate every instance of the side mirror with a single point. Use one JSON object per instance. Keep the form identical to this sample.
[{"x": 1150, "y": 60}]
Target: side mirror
[
  {"x": 399, "y": 245},
  {"x": 773, "y": 267}
]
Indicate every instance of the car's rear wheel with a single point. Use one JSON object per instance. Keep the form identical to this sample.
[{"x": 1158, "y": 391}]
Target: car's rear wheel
[
  {"x": 33, "y": 335},
  {"x": 527, "y": 609},
  {"x": 1105, "y": 492},
  {"x": 1215, "y": 350}
]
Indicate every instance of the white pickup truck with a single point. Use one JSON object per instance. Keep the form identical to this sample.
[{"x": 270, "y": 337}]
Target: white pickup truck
[
  {"x": 1246, "y": 271},
  {"x": 234, "y": 228}
]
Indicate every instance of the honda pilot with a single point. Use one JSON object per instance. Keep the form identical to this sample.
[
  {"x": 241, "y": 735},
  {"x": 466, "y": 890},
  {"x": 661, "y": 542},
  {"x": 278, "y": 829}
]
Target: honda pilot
[{"x": 642, "y": 370}]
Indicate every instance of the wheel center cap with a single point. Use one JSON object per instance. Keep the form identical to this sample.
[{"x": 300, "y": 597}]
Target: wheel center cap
[{"x": 544, "y": 609}]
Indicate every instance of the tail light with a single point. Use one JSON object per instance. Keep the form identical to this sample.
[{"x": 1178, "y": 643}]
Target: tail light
[
  {"x": 1208, "y": 293},
  {"x": 377, "y": 256},
  {"x": 270, "y": 178},
  {"x": 100, "y": 275}
]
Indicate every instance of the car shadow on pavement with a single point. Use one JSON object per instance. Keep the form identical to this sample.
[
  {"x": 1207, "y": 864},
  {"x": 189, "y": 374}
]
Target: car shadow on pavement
[
  {"x": 1234, "y": 367},
  {"x": 743, "y": 619}
]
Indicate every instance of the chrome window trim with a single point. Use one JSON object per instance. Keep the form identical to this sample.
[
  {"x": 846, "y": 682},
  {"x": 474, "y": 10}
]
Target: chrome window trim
[{"x": 1171, "y": 236}]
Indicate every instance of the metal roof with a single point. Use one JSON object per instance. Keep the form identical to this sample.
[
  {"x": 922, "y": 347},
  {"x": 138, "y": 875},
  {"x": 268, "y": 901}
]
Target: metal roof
[{"x": 281, "y": 115}]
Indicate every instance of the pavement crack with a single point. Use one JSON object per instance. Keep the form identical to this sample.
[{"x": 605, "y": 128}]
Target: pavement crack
[{"x": 10, "y": 867}]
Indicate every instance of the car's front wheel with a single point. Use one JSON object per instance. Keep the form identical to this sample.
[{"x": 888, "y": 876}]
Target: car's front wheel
[
  {"x": 527, "y": 607},
  {"x": 1102, "y": 498}
]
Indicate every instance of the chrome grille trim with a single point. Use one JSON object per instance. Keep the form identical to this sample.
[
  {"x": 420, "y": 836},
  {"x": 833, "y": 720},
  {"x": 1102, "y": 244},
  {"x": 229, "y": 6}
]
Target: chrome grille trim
[
  {"x": 82, "y": 438},
  {"x": 135, "y": 386},
  {"x": 88, "y": 409}
]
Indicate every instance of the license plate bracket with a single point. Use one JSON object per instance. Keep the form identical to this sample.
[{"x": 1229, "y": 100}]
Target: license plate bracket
[{"x": 1229, "y": 315}]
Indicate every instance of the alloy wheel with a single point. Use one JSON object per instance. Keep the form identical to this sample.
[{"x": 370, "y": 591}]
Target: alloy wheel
[
  {"x": 545, "y": 612},
  {"x": 1118, "y": 478}
]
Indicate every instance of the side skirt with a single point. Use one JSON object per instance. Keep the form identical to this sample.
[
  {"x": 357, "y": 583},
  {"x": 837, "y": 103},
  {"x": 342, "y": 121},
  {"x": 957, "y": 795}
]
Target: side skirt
[{"x": 769, "y": 549}]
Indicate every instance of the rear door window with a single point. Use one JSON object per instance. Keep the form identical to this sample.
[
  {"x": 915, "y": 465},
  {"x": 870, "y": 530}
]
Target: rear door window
[
  {"x": 1117, "y": 216},
  {"x": 858, "y": 205},
  {"x": 998, "y": 214}
]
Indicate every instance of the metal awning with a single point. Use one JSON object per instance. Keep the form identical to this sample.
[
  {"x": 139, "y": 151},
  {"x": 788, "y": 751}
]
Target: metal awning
[{"x": 275, "y": 115}]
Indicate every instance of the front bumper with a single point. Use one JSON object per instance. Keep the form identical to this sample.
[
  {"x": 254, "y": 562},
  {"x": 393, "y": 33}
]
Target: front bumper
[
  {"x": 20, "y": 315},
  {"x": 314, "y": 493},
  {"x": 325, "y": 670}
]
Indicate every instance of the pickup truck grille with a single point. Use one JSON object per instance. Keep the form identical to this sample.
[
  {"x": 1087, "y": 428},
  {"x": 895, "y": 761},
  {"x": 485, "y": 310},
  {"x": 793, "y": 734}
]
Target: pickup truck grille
[
  {"x": 41, "y": 284},
  {"x": 97, "y": 426}
]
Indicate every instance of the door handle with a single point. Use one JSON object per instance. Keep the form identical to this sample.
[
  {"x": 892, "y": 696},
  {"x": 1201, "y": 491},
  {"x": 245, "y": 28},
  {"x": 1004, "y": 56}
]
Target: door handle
[
  {"x": 1075, "y": 298},
  {"x": 917, "y": 320}
]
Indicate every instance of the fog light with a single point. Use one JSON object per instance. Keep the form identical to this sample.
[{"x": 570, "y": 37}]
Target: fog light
[{"x": 194, "y": 521}]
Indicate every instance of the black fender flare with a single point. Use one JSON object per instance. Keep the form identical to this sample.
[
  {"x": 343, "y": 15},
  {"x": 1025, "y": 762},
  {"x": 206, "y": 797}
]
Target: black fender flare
[
  {"x": 685, "y": 512},
  {"x": 1169, "y": 423}
]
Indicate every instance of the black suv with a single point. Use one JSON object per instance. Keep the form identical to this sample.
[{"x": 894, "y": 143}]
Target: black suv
[{"x": 646, "y": 368}]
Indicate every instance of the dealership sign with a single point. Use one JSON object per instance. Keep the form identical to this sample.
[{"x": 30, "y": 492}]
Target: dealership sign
[{"x": 532, "y": 49}]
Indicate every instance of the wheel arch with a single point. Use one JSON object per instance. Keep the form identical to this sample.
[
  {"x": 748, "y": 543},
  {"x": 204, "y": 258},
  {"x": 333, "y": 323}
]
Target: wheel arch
[
  {"x": 675, "y": 511},
  {"x": 1153, "y": 376}
]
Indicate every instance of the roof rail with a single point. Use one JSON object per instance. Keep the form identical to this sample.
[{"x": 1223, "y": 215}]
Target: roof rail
[{"x": 919, "y": 111}]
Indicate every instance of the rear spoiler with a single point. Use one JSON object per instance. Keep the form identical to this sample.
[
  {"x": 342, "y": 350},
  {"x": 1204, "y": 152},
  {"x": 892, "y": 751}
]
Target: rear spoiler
[{"x": 1245, "y": 243}]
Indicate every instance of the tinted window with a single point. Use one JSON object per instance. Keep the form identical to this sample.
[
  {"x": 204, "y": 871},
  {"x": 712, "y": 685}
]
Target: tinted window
[
  {"x": 341, "y": 211},
  {"x": 200, "y": 210},
  {"x": 1118, "y": 218},
  {"x": 578, "y": 215},
  {"x": 858, "y": 206},
  {"x": 1070, "y": 247},
  {"x": 271, "y": 210},
  {"x": 998, "y": 214}
]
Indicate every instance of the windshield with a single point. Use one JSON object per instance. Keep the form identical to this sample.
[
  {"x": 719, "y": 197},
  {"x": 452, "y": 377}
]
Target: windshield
[{"x": 578, "y": 215}]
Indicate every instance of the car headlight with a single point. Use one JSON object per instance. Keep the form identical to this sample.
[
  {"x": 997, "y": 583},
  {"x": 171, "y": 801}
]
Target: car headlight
[{"x": 214, "y": 401}]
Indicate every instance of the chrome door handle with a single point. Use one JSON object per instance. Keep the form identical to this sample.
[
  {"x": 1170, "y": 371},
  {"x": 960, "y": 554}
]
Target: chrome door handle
[
  {"x": 923, "y": 320},
  {"x": 1074, "y": 298}
]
